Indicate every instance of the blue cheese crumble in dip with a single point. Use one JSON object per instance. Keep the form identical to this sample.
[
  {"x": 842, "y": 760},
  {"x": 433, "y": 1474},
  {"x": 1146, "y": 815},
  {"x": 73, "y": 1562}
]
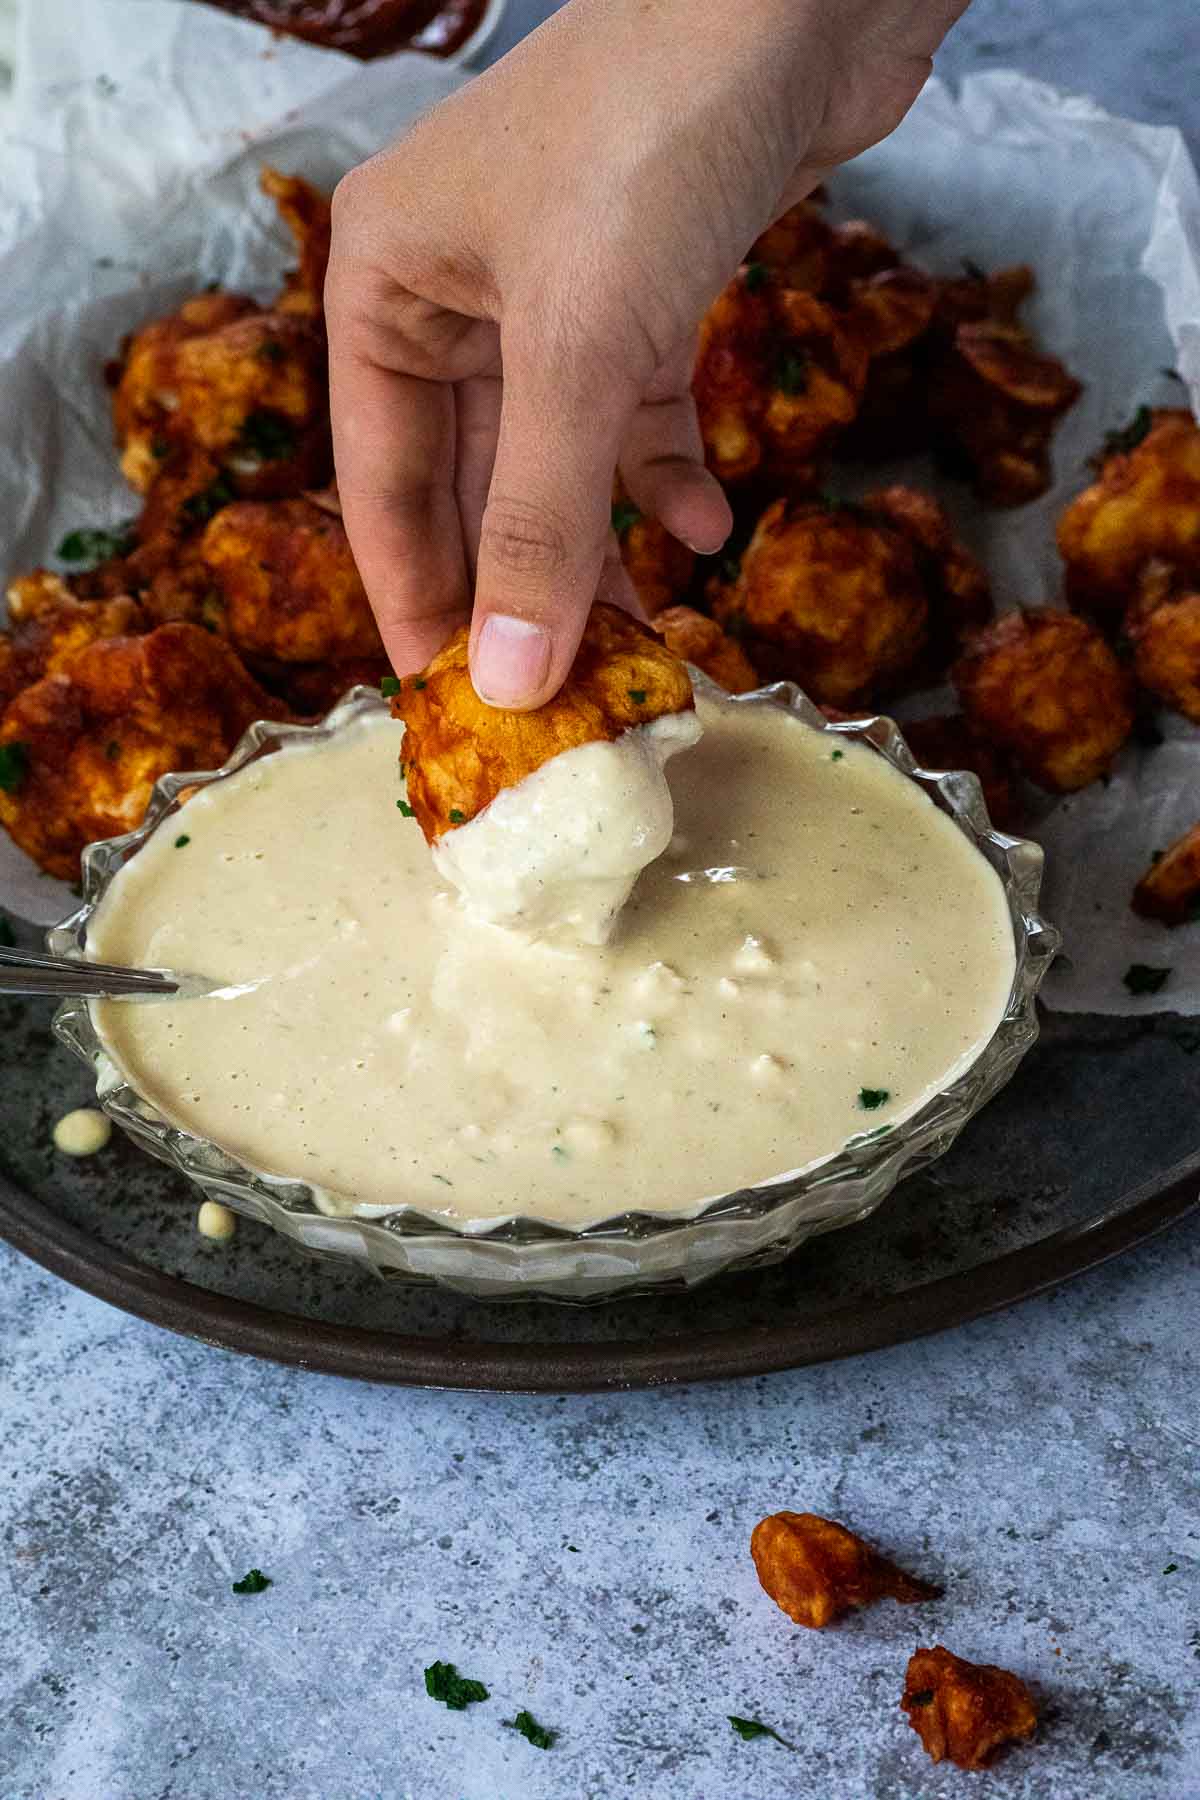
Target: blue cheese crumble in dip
[{"x": 815, "y": 953}]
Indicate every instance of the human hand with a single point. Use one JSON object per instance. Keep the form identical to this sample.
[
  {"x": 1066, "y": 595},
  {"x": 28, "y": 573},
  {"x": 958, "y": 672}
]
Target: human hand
[{"x": 515, "y": 286}]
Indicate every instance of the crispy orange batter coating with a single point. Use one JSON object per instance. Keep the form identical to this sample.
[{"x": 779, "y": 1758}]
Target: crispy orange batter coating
[
  {"x": 306, "y": 212},
  {"x": 1143, "y": 505},
  {"x": 964, "y": 1712},
  {"x": 828, "y": 596},
  {"x": 144, "y": 378},
  {"x": 1164, "y": 630},
  {"x": 288, "y": 587},
  {"x": 659, "y": 566},
  {"x": 797, "y": 248},
  {"x": 777, "y": 376},
  {"x": 48, "y": 626},
  {"x": 960, "y": 599},
  {"x": 458, "y": 753},
  {"x": 96, "y": 735},
  {"x": 997, "y": 399},
  {"x": 700, "y": 640},
  {"x": 814, "y": 1569},
  {"x": 1045, "y": 687},
  {"x": 947, "y": 742},
  {"x": 1170, "y": 889}
]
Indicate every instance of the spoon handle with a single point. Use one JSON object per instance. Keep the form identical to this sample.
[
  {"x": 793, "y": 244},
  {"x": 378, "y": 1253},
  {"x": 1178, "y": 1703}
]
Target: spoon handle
[{"x": 62, "y": 977}]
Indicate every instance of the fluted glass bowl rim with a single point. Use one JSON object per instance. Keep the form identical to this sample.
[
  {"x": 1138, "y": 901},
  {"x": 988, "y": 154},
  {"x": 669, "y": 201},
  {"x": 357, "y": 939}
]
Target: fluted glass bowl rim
[{"x": 871, "y": 1163}]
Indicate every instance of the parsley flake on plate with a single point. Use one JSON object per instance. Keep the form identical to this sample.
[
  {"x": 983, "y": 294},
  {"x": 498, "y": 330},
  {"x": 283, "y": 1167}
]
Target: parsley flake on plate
[
  {"x": 405, "y": 808},
  {"x": 14, "y": 762},
  {"x": 529, "y": 1728},
  {"x": 252, "y": 1582},
  {"x": 181, "y": 840},
  {"x": 754, "y": 1728},
  {"x": 1142, "y": 978},
  {"x": 443, "y": 1682},
  {"x": 870, "y": 1098}
]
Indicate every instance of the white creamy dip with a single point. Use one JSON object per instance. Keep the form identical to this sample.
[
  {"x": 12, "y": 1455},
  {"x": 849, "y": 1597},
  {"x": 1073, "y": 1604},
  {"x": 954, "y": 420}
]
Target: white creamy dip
[
  {"x": 818, "y": 951},
  {"x": 559, "y": 853}
]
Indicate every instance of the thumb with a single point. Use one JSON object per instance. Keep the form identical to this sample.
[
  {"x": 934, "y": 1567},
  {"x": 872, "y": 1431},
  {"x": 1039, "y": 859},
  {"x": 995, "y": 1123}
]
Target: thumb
[{"x": 545, "y": 526}]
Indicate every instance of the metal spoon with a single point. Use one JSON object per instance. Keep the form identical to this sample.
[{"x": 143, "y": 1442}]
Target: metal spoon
[{"x": 64, "y": 977}]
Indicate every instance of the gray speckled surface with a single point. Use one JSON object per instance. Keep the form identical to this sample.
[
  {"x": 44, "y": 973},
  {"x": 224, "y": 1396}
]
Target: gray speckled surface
[{"x": 1042, "y": 1465}]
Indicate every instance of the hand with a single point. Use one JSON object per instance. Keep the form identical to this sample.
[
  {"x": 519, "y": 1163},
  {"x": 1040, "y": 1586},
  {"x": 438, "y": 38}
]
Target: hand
[{"x": 515, "y": 287}]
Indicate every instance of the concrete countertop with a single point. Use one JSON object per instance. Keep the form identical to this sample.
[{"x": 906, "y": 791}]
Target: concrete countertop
[{"x": 587, "y": 1557}]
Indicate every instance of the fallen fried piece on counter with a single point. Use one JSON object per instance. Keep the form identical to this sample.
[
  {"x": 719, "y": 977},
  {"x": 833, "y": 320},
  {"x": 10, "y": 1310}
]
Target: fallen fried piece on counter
[
  {"x": 964, "y": 1712},
  {"x": 700, "y": 641},
  {"x": 1169, "y": 891},
  {"x": 82, "y": 748},
  {"x": 458, "y": 752},
  {"x": 1047, "y": 688},
  {"x": 814, "y": 1569},
  {"x": 1143, "y": 506}
]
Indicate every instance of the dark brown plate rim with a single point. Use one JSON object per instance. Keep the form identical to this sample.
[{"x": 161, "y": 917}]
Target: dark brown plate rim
[{"x": 405, "y": 1360}]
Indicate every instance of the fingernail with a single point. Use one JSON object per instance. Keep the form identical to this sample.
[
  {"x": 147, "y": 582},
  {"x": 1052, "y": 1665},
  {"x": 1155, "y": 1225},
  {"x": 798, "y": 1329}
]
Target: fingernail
[{"x": 512, "y": 660}]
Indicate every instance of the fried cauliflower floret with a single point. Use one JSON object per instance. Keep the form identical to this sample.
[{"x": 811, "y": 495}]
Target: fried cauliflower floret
[
  {"x": 997, "y": 399},
  {"x": 947, "y": 742},
  {"x": 659, "y": 566},
  {"x": 1143, "y": 505},
  {"x": 699, "y": 640},
  {"x": 1170, "y": 889},
  {"x": 964, "y": 1712},
  {"x": 458, "y": 752},
  {"x": 288, "y": 587},
  {"x": 306, "y": 212},
  {"x": 777, "y": 376},
  {"x": 814, "y": 1569},
  {"x": 960, "y": 599},
  {"x": 1047, "y": 688},
  {"x": 48, "y": 626},
  {"x": 1164, "y": 629},
  {"x": 249, "y": 390},
  {"x": 830, "y": 597},
  {"x": 91, "y": 740}
]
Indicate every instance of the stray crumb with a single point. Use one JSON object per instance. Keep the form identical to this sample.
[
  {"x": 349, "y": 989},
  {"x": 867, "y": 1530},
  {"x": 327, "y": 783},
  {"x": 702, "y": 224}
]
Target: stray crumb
[
  {"x": 82, "y": 1132},
  {"x": 216, "y": 1221}
]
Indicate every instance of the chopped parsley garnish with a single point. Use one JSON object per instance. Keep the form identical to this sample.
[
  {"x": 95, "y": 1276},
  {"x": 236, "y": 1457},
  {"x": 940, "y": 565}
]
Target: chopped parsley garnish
[
  {"x": 757, "y": 276},
  {"x": 7, "y": 940},
  {"x": 181, "y": 840},
  {"x": 921, "y": 1698},
  {"x": 14, "y": 764},
  {"x": 837, "y": 755},
  {"x": 559, "y": 1151},
  {"x": 1170, "y": 1568},
  {"x": 754, "y": 1728},
  {"x": 419, "y": 682},
  {"x": 91, "y": 544},
  {"x": 443, "y": 1682},
  {"x": 388, "y": 686},
  {"x": 527, "y": 1725},
  {"x": 791, "y": 372},
  {"x": 624, "y": 514},
  {"x": 1125, "y": 437},
  {"x": 200, "y": 508},
  {"x": 265, "y": 434},
  {"x": 456, "y": 817},
  {"x": 444, "y": 1179},
  {"x": 870, "y": 1098},
  {"x": 112, "y": 750},
  {"x": 405, "y": 808},
  {"x": 638, "y": 696},
  {"x": 1141, "y": 978},
  {"x": 252, "y": 1582}
]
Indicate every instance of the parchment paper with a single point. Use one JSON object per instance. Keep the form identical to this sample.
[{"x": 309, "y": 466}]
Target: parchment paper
[{"x": 129, "y": 180}]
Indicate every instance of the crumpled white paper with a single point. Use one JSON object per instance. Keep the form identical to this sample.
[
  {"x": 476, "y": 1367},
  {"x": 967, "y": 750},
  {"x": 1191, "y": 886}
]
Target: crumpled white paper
[{"x": 130, "y": 172}]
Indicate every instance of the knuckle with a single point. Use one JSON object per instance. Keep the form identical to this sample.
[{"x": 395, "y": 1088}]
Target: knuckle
[{"x": 523, "y": 538}]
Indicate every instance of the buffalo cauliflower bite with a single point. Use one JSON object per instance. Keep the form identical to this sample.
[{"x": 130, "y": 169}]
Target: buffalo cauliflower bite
[
  {"x": 1169, "y": 891},
  {"x": 1143, "y": 506},
  {"x": 47, "y": 626},
  {"x": 659, "y": 566},
  {"x": 289, "y": 590},
  {"x": 814, "y": 1569},
  {"x": 1163, "y": 628},
  {"x": 88, "y": 742},
  {"x": 995, "y": 399},
  {"x": 1045, "y": 687},
  {"x": 458, "y": 752},
  {"x": 960, "y": 599},
  {"x": 776, "y": 377},
  {"x": 829, "y": 596},
  {"x": 699, "y": 640},
  {"x": 964, "y": 1712}
]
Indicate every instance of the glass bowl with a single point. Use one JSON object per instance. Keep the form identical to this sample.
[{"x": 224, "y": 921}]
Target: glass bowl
[{"x": 630, "y": 1252}]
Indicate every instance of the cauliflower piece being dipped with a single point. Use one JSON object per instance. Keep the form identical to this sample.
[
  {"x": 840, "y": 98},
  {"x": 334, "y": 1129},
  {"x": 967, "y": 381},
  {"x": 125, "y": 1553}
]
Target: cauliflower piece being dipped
[{"x": 543, "y": 820}]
